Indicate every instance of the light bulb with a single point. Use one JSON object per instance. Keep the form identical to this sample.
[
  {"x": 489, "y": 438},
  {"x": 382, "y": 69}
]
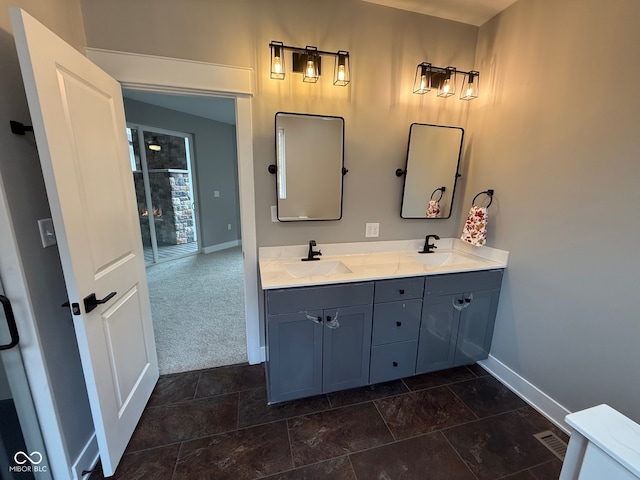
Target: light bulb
[
  {"x": 446, "y": 86},
  {"x": 311, "y": 71},
  {"x": 469, "y": 91},
  {"x": 423, "y": 82},
  {"x": 341, "y": 73},
  {"x": 277, "y": 65}
]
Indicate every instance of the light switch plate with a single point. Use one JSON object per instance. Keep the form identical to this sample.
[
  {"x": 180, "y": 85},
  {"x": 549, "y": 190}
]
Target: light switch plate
[
  {"x": 372, "y": 230},
  {"x": 47, "y": 233},
  {"x": 216, "y": 193}
]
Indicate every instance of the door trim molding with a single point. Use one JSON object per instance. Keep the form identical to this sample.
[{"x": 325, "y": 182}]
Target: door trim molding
[{"x": 188, "y": 77}]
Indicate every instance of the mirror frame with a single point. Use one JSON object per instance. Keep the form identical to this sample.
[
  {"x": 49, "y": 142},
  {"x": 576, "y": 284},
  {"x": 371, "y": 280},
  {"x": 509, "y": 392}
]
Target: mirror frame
[
  {"x": 342, "y": 170},
  {"x": 455, "y": 176}
]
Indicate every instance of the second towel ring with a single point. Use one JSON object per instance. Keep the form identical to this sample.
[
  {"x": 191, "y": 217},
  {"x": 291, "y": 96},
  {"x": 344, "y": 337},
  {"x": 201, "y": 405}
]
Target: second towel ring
[
  {"x": 486, "y": 192},
  {"x": 441, "y": 190}
]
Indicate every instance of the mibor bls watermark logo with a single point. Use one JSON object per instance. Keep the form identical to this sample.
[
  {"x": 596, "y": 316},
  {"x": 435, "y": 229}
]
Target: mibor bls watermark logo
[{"x": 28, "y": 463}]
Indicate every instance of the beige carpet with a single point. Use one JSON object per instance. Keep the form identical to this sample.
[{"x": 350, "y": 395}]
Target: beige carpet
[{"x": 197, "y": 304}]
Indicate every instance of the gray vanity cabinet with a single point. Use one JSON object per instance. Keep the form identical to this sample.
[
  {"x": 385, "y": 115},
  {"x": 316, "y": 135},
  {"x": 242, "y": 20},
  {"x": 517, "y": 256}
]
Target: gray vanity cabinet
[
  {"x": 318, "y": 339},
  {"x": 457, "y": 319}
]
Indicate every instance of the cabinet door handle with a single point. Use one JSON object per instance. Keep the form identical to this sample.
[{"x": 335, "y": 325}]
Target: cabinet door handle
[
  {"x": 399, "y": 324},
  {"x": 401, "y": 291},
  {"x": 460, "y": 301},
  {"x": 395, "y": 364},
  {"x": 328, "y": 318}
]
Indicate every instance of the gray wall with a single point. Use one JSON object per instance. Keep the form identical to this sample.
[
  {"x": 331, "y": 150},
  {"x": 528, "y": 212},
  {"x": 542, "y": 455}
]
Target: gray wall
[
  {"x": 216, "y": 166},
  {"x": 24, "y": 187},
  {"x": 561, "y": 150},
  {"x": 378, "y": 106}
]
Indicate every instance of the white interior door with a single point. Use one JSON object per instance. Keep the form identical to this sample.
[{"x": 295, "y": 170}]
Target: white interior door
[{"x": 78, "y": 119}]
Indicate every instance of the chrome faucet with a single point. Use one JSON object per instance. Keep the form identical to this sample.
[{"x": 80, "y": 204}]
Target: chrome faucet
[
  {"x": 313, "y": 254},
  {"x": 428, "y": 247}
]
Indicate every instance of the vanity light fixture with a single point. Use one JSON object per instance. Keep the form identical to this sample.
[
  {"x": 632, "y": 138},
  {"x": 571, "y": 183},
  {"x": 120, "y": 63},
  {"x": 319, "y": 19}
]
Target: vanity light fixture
[
  {"x": 470, "y": 85},
  {"x": 277, "y": 61},
  {"x": 341, "y": 71},
  {"x": 444, "y": 79},
  {"x": 308, "y": 62},
  {"x": 311, "y": 69},
  {"x": 422, "y": 82},
  {"x": 447, "y": 83}
]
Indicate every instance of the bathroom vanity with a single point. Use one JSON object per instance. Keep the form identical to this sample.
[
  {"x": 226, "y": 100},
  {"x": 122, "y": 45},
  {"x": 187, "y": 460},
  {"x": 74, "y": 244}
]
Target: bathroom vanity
[{"x": 372, "y": 312}]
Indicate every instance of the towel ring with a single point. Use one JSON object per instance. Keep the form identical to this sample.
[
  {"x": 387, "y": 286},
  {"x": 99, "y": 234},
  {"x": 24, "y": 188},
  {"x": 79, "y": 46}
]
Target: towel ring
[
  {"x": 441, "y": 190},
  {"x": 486, "y": 192}
]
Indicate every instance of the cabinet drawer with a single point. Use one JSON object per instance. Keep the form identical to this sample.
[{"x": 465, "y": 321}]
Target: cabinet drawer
[
  {"x": 289, "y": 300},
  {"x": 393, "y": 361},
  {"x": 396, "y": 321},
  {"x": 462, "y": 282},
  {"x": 400, "y": 289}
]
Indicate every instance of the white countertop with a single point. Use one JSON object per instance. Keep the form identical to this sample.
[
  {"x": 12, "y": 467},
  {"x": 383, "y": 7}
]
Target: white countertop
[{"x": 372, "y": 261}]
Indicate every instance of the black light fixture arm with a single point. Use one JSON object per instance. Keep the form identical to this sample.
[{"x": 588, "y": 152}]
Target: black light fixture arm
[{"x": 303, "y": 50}]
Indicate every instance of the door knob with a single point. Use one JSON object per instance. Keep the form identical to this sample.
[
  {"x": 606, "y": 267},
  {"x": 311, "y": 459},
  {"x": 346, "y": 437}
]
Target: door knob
[{"x": 91, "y": 302}]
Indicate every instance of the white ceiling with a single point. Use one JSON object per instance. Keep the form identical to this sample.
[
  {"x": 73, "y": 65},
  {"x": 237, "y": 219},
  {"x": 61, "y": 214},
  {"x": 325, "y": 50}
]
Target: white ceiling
[
  {"x": 473, "y": 12},
  {"x": 213, "y": 108}
]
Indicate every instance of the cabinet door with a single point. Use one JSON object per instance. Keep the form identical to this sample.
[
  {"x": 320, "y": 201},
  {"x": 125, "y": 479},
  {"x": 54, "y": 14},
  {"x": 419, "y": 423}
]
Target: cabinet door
[
  {"x": 438, "y": 332},
  {"x": 476, "y": 326},
  {"x": 346, "y": 347},
  {"x": 294, "y": 366}
]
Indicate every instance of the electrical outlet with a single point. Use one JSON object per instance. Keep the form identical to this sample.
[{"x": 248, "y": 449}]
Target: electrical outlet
[
  {"x": 216, "y": 193},
  {"x": 47, "y": 234},
  {"x": 372, "y": 230},
  {"x": 228, "y": 226}
]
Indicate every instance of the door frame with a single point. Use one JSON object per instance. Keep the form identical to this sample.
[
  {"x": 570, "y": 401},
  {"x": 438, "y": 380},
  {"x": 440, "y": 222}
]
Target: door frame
[
  {"x": 188, "y": 77},
  {"x": 47, "y": 428}
]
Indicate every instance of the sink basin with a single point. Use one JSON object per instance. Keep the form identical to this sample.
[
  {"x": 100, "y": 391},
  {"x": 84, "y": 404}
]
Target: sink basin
[
  {"x": 319, "y": 268},
  {"x": 441, "y": 259}
]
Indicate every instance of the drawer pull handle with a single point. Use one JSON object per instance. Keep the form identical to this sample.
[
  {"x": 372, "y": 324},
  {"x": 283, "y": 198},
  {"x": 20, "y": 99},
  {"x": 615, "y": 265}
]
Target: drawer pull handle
[
  {"x": 460, "y": 301},
  {"x": 328, "y": 318},
  {"x": 402, "y": 291},
  {"x": 468, "y": 300},
  {"x": 395, "y": 364},
  {"x": 399, "y": 324}
]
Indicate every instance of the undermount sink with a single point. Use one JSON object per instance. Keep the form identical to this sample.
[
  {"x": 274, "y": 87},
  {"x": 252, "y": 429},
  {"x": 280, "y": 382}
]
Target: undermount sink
[
  {"x": 440, "y": 259},
  {"x": 319, "y": 268}
]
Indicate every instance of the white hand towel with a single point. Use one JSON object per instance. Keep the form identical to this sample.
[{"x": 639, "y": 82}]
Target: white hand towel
[{"x": 475, "y": 228}]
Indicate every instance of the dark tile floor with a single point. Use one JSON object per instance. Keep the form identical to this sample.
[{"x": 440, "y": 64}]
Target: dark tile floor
[{"x": 455, "y": 424}]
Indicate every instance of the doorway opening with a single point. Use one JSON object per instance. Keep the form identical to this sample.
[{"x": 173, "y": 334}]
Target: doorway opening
[
  {"x": 184, "y": 162},
  {"x": 164, "y": 181}
]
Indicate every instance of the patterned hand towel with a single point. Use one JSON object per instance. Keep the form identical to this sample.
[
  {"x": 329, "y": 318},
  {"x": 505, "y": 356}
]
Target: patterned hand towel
[
  {"x": 475, "y": 228},
  {"x": 433, "y": 209}
]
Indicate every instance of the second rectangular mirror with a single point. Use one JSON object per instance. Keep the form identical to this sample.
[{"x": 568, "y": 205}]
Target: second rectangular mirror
[
  {"x": 433, "y": 158},
  {"x": 309, "y": 170}
]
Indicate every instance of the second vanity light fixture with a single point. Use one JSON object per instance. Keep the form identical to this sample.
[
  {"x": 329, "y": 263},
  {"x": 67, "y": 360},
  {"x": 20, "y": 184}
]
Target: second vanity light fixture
[
  {"x": 308, "y": 61},
  {"x": 444, "y": 80}
]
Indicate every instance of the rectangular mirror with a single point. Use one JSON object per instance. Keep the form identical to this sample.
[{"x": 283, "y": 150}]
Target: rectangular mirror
[
  {"x": 309, "y": 166},
  {"x": 433, "y": 159}
]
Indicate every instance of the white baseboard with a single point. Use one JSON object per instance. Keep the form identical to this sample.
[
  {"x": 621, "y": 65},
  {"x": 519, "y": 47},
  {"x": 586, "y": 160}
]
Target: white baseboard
[
  {"x": 531, "y": 394},
  {"x": 87, "y": 459},
  {"x": 221, "y": 246}
]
